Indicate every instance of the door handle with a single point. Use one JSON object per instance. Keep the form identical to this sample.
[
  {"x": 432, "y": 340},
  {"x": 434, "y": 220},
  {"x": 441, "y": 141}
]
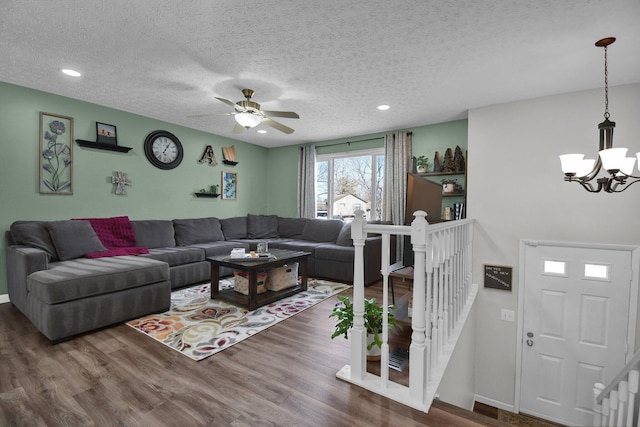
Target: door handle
[{"x": 530, "y": 342}]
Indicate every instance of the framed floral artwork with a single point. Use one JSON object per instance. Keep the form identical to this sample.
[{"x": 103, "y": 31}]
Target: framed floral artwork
[
  {"x": 229, "y": 185},
  {"x": 56, "y": 154}
]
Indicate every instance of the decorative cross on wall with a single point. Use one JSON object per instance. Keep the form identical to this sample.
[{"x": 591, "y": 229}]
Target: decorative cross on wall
[{"x": 121, "y": 179}]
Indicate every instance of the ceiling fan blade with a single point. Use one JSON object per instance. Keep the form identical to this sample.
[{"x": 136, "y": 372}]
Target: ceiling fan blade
[
  {"x": 226, "y": 101},
  {"x": 197, "y": 116},
  {"x": 238, "y": 129},
  {"x": 276, "y": 125},
  {"x": 287, "y": 114}
]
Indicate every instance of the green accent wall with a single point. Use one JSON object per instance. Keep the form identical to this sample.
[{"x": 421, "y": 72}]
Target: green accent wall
[
  {"x": 153, "y": 193},
  {"x": 267, "y": 178}
]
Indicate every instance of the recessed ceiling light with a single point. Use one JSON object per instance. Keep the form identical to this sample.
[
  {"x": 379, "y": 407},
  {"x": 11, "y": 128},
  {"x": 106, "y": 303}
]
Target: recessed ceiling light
[
  {"x": 262, "y": 131},
  {"x": 70, "y": 72},
  {"x": 383, "y": 107}
]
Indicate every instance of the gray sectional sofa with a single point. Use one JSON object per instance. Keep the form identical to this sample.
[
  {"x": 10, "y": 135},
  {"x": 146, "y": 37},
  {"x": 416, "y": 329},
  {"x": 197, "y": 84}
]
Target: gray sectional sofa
[{"x": 64, "y": 293}]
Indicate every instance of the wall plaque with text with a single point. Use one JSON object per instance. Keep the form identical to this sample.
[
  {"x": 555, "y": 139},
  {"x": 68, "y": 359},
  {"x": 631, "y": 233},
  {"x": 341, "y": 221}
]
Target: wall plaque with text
[{"x": 497, "y": 277}]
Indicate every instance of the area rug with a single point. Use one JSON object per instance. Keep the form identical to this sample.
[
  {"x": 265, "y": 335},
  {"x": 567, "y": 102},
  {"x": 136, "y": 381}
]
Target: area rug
[{"x": 199, "y": 327}]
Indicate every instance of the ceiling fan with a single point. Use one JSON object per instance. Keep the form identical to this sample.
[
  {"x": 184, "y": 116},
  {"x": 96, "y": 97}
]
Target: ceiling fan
[{"x": 248, "y": 114}]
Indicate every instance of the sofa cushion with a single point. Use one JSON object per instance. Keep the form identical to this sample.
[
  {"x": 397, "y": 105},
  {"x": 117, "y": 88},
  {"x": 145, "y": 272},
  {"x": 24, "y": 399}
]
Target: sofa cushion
[
  {"x": 155, "y": 233},
  {"x": 73, "y": 238},
  {"x": 322, "y": 230},
  {"x": 220, "y": 248},
  {"x": 234, "y": 228},
  {"x": 291, "y": 228},
  {"x": 198, "y": 230},
  {"x": 262, "y": 226},
  {"x": 82, "y": 278},
  {"x": 178, "y": 255},
  {"x": 344, "y": 237},
  {"x": 33, "y": 234},
  {"x": 335, "y": 253}
]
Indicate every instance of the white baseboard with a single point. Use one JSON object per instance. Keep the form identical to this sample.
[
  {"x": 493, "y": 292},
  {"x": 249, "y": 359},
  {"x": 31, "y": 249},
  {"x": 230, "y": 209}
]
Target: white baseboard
[
  {"x": 4, "y": 298},
  {"x": 492, "y": 402}
]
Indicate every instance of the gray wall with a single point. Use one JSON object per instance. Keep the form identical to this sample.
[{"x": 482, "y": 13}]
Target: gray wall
[{"x": 516, "y": 191}]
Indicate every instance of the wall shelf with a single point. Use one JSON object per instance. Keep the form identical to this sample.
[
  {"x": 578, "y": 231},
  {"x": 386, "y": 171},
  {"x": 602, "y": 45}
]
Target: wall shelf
[
  {"x": 211, "y": 195},
  {"x": 103, "y": 146}
]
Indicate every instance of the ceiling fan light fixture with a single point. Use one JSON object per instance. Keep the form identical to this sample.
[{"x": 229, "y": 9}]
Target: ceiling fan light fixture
[{"x": 248, "y": 120}]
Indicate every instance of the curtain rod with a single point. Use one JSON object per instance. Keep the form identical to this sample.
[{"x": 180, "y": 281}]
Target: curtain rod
[{"x": 350, "y": 142}]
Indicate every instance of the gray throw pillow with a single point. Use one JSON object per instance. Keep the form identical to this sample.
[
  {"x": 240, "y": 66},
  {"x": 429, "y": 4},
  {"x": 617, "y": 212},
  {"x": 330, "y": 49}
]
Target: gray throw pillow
[
  {"x": 73, "y": 238},
  {"x": 199, "y": 230},
  {"x": 154, "y": 233},
  {"x": 291, "y": 228},
  {"x": 262, "y": 226},
  {"x": 33, "y": 234},
  {"x": 234, "y": 228},
  {"x": 344, "y": 238},
  {"x": 322, "y": 230}
]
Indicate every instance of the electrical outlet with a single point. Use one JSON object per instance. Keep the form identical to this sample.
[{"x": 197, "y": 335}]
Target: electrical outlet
[{"x": 507, "y": 315}]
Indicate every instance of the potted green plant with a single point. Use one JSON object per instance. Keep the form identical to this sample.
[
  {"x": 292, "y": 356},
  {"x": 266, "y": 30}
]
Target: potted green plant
[
  {"x": 422, "y": 163},
  {"x": 449, "y": 185},
  {"x": 373, "y": 316}
]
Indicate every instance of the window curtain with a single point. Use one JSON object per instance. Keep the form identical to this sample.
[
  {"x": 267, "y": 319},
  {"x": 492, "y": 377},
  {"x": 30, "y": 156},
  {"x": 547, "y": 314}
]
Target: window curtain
[
  {"x": 397, "y": 163},
  {"x": 307, "y": 182}
]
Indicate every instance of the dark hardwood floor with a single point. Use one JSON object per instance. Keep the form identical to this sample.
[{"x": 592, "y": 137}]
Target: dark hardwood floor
[{"x": 283, "y": 376}]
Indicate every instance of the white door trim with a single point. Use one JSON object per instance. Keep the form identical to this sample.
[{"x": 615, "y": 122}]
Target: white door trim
[{"x": 633, "y": 300}]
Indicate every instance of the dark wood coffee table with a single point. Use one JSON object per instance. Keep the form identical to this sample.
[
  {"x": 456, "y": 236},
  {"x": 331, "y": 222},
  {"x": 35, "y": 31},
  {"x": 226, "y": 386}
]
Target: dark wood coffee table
[{"x": 254, "y": 300}]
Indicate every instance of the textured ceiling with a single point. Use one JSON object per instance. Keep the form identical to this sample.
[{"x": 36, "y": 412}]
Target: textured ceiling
[{"x": 331, "y": 61}]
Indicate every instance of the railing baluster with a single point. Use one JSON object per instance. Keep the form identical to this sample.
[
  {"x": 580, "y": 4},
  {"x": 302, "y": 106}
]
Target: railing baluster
[
  {"x": 613, "y": 407},
  {"x": 597, "y": 407},
  {"x": 634, "y": 375},
  {"x": 622, "y": 402}
]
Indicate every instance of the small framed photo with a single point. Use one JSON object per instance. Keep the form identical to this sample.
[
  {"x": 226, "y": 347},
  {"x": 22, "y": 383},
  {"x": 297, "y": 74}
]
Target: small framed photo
[
  {"x": 106, "y": 133},
  {"x": 229, "y": 185}
]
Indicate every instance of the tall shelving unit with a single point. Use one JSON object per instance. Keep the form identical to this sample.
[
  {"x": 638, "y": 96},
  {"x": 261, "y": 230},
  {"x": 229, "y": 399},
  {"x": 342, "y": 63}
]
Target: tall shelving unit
[{"x": 448, "y": 199}]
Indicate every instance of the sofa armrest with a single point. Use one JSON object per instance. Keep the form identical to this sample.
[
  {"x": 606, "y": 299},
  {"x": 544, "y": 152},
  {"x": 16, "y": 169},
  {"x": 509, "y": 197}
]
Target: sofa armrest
[{"x": 21, "y": 262}]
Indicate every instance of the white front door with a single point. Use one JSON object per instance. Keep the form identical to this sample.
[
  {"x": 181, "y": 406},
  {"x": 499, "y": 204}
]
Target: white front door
[{"x": 575, "y": 324}]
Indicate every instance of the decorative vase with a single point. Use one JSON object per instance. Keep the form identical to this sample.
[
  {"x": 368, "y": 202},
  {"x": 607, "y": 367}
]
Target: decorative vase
[
  {"x": 374, "y": 353},
  {"x": 421, "y": 169}
]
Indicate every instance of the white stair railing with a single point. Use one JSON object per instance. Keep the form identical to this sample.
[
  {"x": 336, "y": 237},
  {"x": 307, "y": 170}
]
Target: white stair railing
[
  {"x": 442, "y": 299},
  {"x": 617, "y": 403}
]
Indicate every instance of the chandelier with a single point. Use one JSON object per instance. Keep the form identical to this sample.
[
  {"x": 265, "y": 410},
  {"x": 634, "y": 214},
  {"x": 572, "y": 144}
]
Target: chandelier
[{"x": 614, "y": 161}]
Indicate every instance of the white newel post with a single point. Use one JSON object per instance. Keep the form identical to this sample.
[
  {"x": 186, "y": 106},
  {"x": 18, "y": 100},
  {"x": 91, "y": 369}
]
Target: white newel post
[
  {"x": 358, "y": 336},
  {"x": 384, "y": 350},
  {"x": 597, "y": 407},
  {"x": 418, "y": 347}
]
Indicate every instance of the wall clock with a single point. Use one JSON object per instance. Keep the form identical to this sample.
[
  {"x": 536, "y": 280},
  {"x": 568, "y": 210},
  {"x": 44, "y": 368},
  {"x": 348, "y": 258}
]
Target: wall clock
[{"x": 163, "y": 149}]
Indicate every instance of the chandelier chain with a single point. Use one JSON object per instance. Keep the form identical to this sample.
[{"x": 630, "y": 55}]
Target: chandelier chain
[{"x": 606, "y": 86}]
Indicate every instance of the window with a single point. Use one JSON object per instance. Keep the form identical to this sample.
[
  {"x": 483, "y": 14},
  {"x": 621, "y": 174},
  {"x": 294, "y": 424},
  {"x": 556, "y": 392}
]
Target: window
[{"x": 347, "y": 182}]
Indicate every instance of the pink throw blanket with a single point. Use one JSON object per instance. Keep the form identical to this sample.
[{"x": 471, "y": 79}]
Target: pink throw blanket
[{"x": 117, "y": 235}]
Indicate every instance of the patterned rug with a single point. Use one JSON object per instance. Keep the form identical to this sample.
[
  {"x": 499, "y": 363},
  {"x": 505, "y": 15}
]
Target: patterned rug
[{"x": 199, "y": 327}]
